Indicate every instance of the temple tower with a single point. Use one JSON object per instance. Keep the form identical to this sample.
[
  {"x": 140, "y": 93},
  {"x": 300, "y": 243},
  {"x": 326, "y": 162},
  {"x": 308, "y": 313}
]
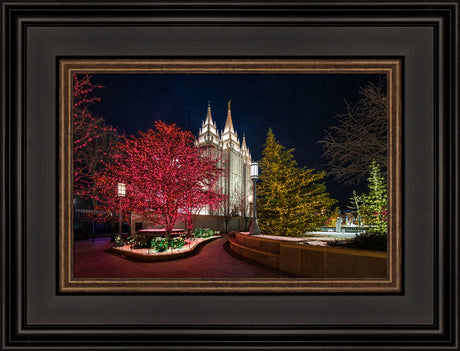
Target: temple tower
[
  {"x": 208, "y": 135},
  {"x": 236, "y": 160}
]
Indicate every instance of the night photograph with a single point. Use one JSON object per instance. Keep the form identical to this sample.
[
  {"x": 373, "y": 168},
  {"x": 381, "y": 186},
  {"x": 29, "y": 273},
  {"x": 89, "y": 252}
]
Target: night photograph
[
  {"x": 230, "y": 175},
  {"x": 220, "y": 175}
]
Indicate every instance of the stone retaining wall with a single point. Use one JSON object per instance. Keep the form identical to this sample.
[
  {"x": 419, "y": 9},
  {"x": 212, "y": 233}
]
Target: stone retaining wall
[
  {"x": 312, "y": 261},
  {"x": 253, "y": 254}
]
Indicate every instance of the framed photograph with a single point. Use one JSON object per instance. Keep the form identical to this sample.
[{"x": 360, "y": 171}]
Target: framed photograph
[
  {"x": 230, "y": 176},
  {"x": 293, "y": 255}
]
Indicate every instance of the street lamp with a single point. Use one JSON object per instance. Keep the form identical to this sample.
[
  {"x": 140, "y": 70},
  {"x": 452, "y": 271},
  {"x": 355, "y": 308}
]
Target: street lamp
[
  {"x": 121, "y": 194},
  {"x": 248, "y": 212},
  {"x": 254, "y": 230}
]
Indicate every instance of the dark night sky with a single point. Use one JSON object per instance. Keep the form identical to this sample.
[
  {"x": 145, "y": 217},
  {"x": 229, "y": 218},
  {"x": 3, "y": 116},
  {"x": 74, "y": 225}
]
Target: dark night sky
[{"x": 298, "y": 108}]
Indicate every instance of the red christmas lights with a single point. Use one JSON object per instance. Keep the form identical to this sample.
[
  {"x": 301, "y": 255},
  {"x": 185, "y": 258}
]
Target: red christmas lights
[
  {"x": 167, "y": 178},
  {"x": 93, "y": 138}
]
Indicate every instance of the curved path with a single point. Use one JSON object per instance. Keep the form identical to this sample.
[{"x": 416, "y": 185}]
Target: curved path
[{"x": 212, "y": 261}]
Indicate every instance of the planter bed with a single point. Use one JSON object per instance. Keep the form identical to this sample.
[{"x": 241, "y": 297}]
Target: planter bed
[{"x": 150, "y": 255}]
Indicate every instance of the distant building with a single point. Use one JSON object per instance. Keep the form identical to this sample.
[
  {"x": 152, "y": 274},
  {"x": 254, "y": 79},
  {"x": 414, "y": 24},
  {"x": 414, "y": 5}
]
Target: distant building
[{"x": 236, "y": 160}]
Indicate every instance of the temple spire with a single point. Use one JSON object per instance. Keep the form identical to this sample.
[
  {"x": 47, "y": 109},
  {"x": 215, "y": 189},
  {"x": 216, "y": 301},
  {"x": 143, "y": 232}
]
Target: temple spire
[
  {"x": 209, "y": 116},
  {"x": 243, "y": 144},
  {"x": 229, "y": 122}
]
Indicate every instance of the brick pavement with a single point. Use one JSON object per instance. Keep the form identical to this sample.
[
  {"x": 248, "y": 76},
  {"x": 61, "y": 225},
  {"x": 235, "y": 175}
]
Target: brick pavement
[{"x": 212, "y": 261}]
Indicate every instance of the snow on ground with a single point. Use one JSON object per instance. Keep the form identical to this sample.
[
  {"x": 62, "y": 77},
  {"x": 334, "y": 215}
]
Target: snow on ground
[
  {"x": 284, "y": 238},
  {"x": 275, "y": 237},
  {"x": 310, "y": 238},
  {"x": 333, "y": 235},
  {"x": 322, "y": 238}
]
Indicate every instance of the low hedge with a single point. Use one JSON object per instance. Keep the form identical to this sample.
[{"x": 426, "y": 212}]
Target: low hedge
[
  {"x": 367, "y": 241},
  {"x": 121, "y": 240},
  {"x": 177, "y": 243},
  {"x": 203, "y": 233},
  {"x": 160, "y": 244},
  {"x": 139, "y": 241}
]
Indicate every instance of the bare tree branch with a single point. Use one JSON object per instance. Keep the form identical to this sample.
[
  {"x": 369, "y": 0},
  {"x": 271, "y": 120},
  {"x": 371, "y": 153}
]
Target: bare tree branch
[{"x": 359, "y": 137}]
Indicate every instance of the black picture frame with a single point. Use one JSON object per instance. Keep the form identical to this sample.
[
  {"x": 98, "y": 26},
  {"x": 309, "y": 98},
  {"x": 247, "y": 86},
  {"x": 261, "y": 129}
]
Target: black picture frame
[{"x": 423, "y": 316}]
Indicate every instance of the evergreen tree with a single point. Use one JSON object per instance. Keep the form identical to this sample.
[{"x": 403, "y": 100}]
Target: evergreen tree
[
  {"x": 290, "y": 199},
  {"x": 374, "y": 205}
]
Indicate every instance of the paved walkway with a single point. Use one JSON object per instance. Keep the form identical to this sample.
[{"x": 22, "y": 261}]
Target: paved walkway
[{"x": 212, "y": 261}]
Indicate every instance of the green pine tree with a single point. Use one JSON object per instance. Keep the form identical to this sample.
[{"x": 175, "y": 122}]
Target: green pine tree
[
  {"x": 290, "y": 199},
  {"x": 374, "y": 206}
]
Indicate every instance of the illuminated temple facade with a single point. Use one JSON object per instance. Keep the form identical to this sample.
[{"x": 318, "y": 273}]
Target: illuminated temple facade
[{"x": 236, "y": 160}]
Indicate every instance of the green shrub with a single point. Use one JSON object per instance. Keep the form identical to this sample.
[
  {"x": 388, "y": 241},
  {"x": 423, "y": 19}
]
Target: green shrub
[
  {"x": 367, "y": 241},
  {"x": 197, "y": 232},
  {"x": 139, "y": 241},
  {"x": 208, "y": 232},
  {"x": 203, "y": 233},
  {"x": 121, "y": 241},
  {"x": 160, "y": 244},
  {"x": 177, "y": 243}
]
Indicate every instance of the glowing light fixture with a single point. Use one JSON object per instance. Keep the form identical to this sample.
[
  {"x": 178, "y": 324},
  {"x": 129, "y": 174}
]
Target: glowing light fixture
[
  {"x": 255, "y": 171},
  {"x": 254, "y": 229},
  {"x": 121, "y": 189}
]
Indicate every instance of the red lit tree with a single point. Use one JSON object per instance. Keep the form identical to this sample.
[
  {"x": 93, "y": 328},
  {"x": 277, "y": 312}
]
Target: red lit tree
[
  {"x": 167, "y": 177},
  {"x": 202, "y": 189},
  {"x": 94, "y": 140}
]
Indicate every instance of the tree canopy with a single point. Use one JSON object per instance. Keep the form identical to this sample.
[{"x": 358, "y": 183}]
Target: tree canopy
[
  {"x": 359, "y": 137},
  {"x": 94, "y": 140},
  {"x": 166, "y": 177},
  {"x": 374, "y": 204},
  {"x": 291, "y": 200}
]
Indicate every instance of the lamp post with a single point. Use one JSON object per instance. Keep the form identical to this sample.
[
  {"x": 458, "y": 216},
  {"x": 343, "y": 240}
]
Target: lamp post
[
  {"x": 254, "y": 230},
  {"x": 249, "y": 212},
  {"x": 121, "y": 194}
]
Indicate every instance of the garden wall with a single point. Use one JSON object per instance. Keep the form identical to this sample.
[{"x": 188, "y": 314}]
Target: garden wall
[
  {"x": 265, "y": 257},
  {"x": 311, "y": 261},
  {"x": 203, "y": 221}
]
